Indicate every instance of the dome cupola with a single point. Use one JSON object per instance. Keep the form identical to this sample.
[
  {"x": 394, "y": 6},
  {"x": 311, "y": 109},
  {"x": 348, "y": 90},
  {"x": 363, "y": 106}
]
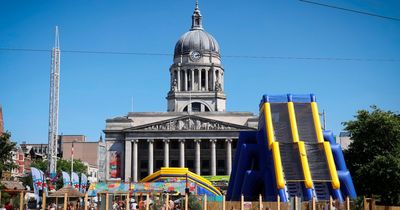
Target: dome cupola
[{"x": 196, "y": 40}]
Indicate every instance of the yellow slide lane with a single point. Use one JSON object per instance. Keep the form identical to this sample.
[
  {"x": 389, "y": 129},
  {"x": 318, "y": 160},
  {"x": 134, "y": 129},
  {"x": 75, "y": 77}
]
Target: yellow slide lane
[
  {"x": 302, "y": 150},
  {"x": 326, "y": 146},
  {"x": 274, "y": 146}
]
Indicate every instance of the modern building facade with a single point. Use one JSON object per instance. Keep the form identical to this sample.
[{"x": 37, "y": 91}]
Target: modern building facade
[{"x": 196, "y": 132}]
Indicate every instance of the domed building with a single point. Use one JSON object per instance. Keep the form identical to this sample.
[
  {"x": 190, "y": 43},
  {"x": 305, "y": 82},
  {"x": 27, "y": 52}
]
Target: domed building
[{"x": 196, "y": 132}]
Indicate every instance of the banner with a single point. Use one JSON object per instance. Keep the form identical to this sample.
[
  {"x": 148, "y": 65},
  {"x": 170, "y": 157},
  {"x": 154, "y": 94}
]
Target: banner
[
  {"x": 144, "y": 187},
  {"x": 75, "y": 180},
  {"x": 66, "y": 179},
  {"x": 115, "y": 162},
  {"x": 82, "y": 187},
  {"x": 37, "y": 180},
  {"x": 44, "y": 183}
]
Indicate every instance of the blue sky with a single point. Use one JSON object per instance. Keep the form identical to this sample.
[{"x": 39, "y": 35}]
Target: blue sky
[{"x": 95, "y": 87}]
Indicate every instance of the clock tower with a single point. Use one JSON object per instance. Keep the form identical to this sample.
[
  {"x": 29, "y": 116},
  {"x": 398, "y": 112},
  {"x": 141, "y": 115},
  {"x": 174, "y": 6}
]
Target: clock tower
[{"x": 197, "y": 75}]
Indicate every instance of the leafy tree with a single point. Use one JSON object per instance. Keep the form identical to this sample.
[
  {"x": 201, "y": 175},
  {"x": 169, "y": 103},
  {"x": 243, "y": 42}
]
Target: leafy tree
[
  {"x": 373, "y": 156},
  {"x": 6, "y": 146}
]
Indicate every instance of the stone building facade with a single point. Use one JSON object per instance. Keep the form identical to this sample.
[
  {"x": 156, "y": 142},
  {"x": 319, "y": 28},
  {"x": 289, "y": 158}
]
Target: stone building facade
[{"x": 196, "y": 131}]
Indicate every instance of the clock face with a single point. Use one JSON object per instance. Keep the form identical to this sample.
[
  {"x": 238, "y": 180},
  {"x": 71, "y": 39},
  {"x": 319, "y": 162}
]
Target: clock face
[{"x": 195, "y": 55}]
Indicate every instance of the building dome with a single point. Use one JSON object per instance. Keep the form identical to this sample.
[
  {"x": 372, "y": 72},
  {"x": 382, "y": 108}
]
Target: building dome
[{"x": 196, "y": 40}]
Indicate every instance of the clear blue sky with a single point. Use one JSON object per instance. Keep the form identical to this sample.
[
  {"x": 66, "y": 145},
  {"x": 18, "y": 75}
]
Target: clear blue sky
[{"x": 95, "y": 87}]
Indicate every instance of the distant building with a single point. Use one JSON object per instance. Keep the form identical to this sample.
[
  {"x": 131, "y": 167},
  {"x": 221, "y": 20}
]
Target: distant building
[
  {"x": 18, "y": 157},
  {"x": 344, "y": 140},
  {"x": 92, "y": 153}
]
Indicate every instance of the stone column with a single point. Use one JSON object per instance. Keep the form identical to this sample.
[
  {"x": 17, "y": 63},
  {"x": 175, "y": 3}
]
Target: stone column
[
  {"x": 166, "y": 152},
  {"x": 151, "y": 155},
  {"x": 128, "y": 160},
  {"x": 200, "y": 79},
  {"x": 186, "y": 79},
  {"x": 197, "y": 158},
  {"x": 213, "y": 158},
  {"x": 213, "y": 78},
  {"x": 182, "y": 153},
  {"x": 135, "y": 159},
  {"x": 192, "y": 71},
  {"x": 206, "y": 73},
  {"x": 179, "y": 79},
  {"x": 228, "y": 156}
]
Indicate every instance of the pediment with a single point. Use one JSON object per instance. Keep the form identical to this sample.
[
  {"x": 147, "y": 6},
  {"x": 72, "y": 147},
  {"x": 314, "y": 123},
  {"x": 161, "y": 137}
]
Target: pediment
[{"x": 189, "y": 123}]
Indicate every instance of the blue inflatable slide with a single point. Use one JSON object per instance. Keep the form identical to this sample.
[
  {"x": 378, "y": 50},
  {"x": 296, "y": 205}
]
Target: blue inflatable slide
[{"x": 289, "y": 155}]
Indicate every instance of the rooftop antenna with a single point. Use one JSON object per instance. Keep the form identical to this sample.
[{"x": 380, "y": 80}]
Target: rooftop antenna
[{"x": 54, "y": 105}]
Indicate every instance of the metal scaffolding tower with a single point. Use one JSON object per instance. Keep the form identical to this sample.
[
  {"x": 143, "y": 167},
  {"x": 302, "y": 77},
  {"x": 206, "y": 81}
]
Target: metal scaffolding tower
[{"x": 53, "y": 106}]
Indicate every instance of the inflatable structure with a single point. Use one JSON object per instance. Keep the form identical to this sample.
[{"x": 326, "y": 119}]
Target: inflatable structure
[
  {"x": 203, "y": 186},
  {"x": 290, "y": 155}
]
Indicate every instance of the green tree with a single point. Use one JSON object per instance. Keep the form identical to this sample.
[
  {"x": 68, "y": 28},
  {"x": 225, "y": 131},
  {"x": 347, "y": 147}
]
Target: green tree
[
  {"x": 6, "y": 147},
  {"x": 373, "y": 156}
]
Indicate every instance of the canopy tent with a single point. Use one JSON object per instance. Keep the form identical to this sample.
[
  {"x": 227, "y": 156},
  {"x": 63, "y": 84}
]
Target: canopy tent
[{"x": 71, "y": 192}]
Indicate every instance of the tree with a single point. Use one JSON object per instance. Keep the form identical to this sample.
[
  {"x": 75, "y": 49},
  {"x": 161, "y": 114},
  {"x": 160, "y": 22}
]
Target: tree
[
  {"x": 373, "y": 156},
  {"x": 6, "y": 147}
]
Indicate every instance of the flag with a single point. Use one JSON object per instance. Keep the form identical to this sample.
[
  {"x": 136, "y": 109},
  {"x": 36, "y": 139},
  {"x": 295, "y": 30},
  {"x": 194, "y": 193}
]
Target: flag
[
  {"x": 44, "y": 183},
  {"x": 37, "y": 180},
  {"x": 66, "y": 179},
  {"x": 75, "y": 180},
  {"x": 82, "y": 187},
  {"x": 72, "y": 150}
]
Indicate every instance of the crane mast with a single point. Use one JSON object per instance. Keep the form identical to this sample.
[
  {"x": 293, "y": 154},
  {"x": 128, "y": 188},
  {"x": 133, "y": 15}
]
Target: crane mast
[{"x": 53, "y": 105}]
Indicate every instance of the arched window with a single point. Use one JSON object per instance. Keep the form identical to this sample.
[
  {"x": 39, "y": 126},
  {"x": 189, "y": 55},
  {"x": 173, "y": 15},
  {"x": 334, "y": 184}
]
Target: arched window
[{"x": 196, "y": 107}]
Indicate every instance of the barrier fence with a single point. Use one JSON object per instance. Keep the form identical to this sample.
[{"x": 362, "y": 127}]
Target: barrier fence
[{"x": 156, "y": 201}]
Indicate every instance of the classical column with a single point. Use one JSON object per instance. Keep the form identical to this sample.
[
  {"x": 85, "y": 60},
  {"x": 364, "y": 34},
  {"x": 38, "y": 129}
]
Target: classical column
[
  {"x": 182, "y": 153},
  {"x": 213, "y": 78},
  {"x": 192, "y": 71},
  {"x": 179, "y": 79},
  {"x": 166, "y": 152},
  {"x": 206, "y": 73},
  {"x": 128, "y": 160},
  {"x": 151, "y": 155},
  {"x": 200, "y": 79},
  {"x": 213, "y": 158},
  {"x": 135, "y": 159},
  {"x": 228, "y": 156},
  {"x": 197, "y": 154},
  {"x": 186, "y": 79}
]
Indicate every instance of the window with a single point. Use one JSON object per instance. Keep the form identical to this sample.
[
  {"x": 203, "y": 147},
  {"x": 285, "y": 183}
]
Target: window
[
  {"x": 221, "y": 164},
  {"x": 159, "y": 144},
  {"x": 205, "y": 164},
  {"x": 190, "y": 163},
  {"x": 189, "y": 144},
  {"x": 221, "y": 144},
  {"x": 159, "y": 163},
  {"x": 174, "y": 163},
  {"x": 175, "y": 144},
  {"x": 143, "y": 164},
  {"x": 196, "y": 107},
  {"x": 205, "y": 144}
]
